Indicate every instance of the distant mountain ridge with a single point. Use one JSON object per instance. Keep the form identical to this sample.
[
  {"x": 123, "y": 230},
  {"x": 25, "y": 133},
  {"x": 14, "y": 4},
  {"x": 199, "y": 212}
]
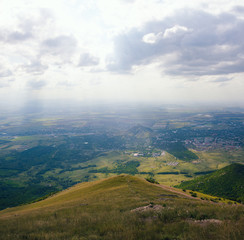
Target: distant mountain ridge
[
  {"x": 140, "y": 131},
  {"x": 227, "y": 182}
]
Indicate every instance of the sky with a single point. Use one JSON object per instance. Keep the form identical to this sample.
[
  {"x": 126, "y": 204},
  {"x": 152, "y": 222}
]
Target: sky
[{"x": 165, "y": 51}]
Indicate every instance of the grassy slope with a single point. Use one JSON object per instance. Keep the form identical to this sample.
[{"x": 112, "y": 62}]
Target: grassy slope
[
  {"x": 227, "y": 182},
  {"x": 101, "y": 210}
]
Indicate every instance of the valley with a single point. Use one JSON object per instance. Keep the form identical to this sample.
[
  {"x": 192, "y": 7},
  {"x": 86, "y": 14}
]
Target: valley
[{"x": 43, "y": 153}]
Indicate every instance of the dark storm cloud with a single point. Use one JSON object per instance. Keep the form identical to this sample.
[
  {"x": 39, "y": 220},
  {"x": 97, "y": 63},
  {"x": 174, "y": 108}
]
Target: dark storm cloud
[
  {"x": 189, "y": 43},
  {"x": 87, "y": 59}
]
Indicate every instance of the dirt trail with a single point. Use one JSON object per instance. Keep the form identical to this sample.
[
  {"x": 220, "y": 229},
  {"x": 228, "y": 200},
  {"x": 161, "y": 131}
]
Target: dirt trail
[{"x": 171, "y": 189}]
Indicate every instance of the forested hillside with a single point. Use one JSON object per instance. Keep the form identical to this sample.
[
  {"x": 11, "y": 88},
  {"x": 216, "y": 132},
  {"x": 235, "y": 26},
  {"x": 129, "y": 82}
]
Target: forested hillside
[{"x": 227, "y": 182}]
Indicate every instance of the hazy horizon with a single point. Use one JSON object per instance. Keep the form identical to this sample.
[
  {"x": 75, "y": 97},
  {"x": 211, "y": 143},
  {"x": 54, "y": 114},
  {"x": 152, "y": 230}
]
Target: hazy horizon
[{"x": 67, "y": 107}]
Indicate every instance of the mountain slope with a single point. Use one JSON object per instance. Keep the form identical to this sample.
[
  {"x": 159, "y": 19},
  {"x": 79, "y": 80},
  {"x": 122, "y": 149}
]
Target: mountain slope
[
  {"x": 119, "y": 188},
  {"x": 227, "y": 182},
  {"x": 121, "y": 207}
]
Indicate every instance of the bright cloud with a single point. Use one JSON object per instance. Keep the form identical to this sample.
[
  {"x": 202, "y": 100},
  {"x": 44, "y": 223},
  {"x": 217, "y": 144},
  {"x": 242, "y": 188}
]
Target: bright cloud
[
  {"x": 152, "y": 37},
  {"x": 176, "y": 30}
]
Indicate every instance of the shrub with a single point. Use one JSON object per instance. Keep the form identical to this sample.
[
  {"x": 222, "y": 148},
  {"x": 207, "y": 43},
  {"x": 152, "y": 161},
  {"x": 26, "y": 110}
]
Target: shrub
[
  {"x": 193, "y": 194},
  {"x": 152, "y": 180}
]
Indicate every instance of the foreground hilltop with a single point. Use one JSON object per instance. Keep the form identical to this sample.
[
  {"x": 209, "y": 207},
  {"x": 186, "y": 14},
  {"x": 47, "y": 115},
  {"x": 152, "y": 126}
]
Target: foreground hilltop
[
  {"x": 122, "y": 207},
  {"x": 227, "y": 182}
]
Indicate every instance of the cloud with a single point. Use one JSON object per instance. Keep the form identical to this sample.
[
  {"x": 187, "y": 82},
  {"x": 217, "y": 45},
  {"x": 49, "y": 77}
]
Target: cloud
[
  {"x": 152, "y": 38},
  {"x": 21, "y": 43},
  {"x": 222, "y": 79},
  {"x": 239, "y": 9},
  {"x": 88, "y": 60},
  {"x": 172, "y": 32},
  {"x": 175, "y": 31},
  {"x": 129, "y": 50},
  {"x": 26, "y": 27},
  {"x": 13, "y": 37},
  {"x": 4, "y": 84},
  {"x": 63, "y": 46},
  {"x": 5, "y": 73},
  {"x": 18, "y": 36},
  {"x": 33, "y": 43},
  {"x": 128, "y": 1},
  {"x": 201, "y": 43},
  {"x": 36, "y": 84},
  {"x": 5, "y": 81},
  {"x": 35, "y": 67}
]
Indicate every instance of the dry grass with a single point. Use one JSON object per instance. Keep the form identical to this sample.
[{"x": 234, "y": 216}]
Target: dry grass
[{"x": 102, "y": 210}]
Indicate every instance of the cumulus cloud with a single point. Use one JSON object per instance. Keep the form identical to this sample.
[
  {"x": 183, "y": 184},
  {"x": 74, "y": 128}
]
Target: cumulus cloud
[
  {"x": 26, "y": 27},
  {"x": 202, "y": 44},
  {"x": 87, "y": 59},
  {"x": 175, "y": 31},
  {"x": 152, "y": 38},
  {"x": 21, "y": 42},
  {"x": 33, "y": 44}
]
